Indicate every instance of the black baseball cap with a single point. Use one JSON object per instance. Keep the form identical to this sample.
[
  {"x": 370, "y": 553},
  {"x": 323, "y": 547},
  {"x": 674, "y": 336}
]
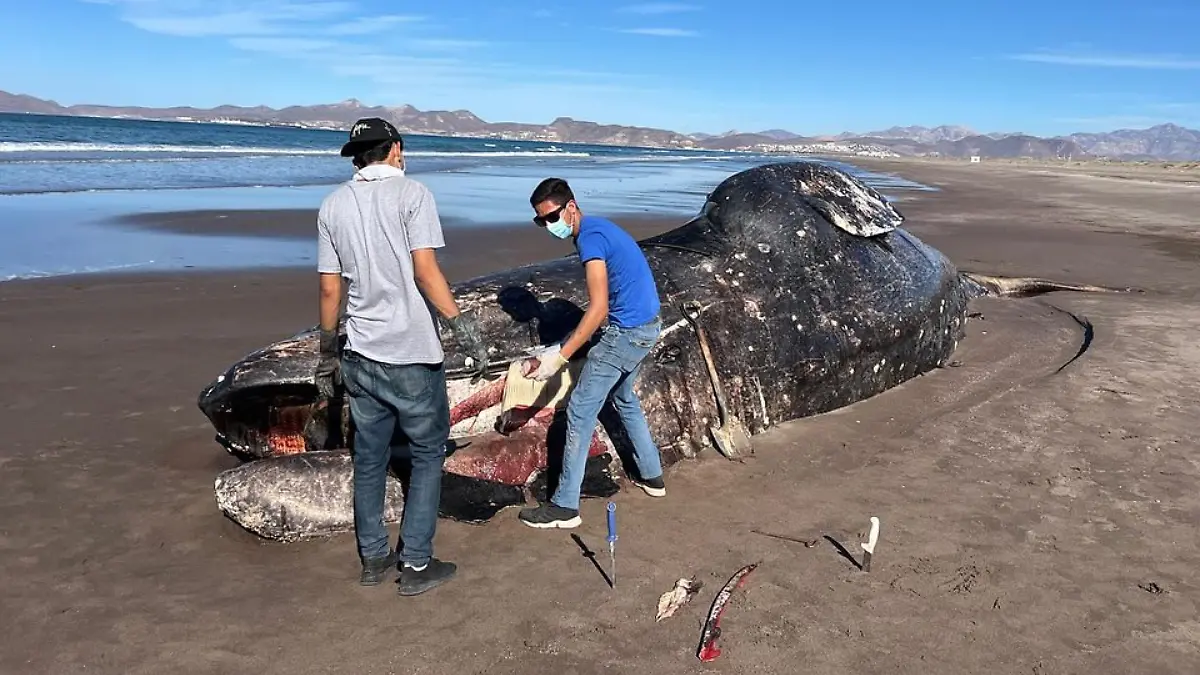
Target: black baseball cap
[{"x": 368, "y": 132}]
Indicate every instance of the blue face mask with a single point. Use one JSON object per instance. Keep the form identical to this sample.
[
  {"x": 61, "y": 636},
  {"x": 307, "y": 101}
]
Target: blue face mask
[{"x": 559, "y": 229}]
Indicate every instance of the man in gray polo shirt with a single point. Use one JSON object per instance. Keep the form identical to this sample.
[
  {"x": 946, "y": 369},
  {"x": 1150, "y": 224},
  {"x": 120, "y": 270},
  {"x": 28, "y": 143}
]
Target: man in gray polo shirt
[{"x": 379, "y": 231}]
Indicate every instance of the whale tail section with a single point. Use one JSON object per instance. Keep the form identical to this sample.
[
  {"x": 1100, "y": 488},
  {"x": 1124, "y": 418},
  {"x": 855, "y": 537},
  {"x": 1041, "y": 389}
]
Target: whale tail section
[{"x": 1024, "y": 287}]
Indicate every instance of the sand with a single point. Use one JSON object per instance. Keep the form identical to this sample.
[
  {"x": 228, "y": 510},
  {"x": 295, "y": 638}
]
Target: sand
[
  {"x": 471, "y": 248},
  {"x": 1038, "y": 504}
]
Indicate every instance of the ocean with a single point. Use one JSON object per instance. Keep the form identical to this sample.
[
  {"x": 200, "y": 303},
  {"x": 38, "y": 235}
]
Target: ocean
[{"x": 63, "y": 180}]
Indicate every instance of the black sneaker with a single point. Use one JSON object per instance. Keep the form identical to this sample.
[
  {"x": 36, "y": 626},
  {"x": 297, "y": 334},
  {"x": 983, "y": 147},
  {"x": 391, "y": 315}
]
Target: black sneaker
[
  {"x": 435, "y": 573},
  {"x": 374, "y": 569},
  {"x": 550, "y": 515},
  {"x": 655, "y": 487}
]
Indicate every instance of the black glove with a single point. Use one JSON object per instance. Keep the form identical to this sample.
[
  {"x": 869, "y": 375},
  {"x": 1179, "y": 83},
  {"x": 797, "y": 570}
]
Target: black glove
[
  {"x": 329, "y": 365},
  {"x": 470, "y": 339}
]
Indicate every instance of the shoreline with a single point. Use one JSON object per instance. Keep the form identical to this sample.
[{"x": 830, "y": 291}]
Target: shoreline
[
  {"x": 469, "y": 247},
  {"x": 742, "y": 160},
  {"x": 243, "y": 236},
  {"x": 300, "y": 223}
]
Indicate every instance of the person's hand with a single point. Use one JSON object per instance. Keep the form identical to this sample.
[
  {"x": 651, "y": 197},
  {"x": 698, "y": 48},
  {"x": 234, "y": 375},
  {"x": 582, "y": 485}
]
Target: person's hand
[
  {"x": 467, "y": 333},
  {"x": 328, "y": 366},
  {"x": 547, "y": 365}
]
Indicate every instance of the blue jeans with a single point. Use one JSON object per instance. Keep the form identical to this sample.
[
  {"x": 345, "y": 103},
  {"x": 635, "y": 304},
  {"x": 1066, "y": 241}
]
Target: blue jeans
[
  {"x": 403, "y": 409},
  {"x": 613, "y": 364}
]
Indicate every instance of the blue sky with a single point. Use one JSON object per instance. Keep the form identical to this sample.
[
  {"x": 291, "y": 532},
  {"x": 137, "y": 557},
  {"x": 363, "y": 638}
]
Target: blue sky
[{"x": 1046, "y": 67}]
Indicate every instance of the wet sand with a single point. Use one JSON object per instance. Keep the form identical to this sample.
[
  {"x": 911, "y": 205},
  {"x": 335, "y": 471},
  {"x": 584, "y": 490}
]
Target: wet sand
[
  {"x": 1038, "y": 504},
  {"x": 301, "y": 224},
  {"x": 470, "y": 249}
]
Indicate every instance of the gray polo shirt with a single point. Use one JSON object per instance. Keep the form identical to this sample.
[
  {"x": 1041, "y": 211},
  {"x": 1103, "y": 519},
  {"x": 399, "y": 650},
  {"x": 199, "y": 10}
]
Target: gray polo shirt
[{"x": 366, "y": 230}]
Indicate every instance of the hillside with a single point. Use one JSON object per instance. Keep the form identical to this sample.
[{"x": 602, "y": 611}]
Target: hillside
[
  {"x": 342, "y": 115},
  {"x": 1164, "y": 142}
]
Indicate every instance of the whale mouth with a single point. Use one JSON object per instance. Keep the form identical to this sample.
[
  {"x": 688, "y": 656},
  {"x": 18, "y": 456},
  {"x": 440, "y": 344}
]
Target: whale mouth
[
  {"x": 267, "y": 404},
  {"x": 266, "y": 421},
  {"x": 493, "y": 437}
]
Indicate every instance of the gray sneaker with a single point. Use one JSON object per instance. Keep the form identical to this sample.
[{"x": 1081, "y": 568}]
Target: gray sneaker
[{"x": 435, "y": 573}]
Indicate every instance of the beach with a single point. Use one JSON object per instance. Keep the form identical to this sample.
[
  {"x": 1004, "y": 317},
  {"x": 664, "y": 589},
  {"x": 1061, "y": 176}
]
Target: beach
[{"x": 1037, "y": 498}]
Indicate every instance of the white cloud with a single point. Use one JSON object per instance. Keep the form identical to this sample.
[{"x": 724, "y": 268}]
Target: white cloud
[
  {"x": 662, "y": 32},
  {"x": 435, "y": 44},
  {"x": 282, "y": 46},
  {"x": 236, "y": 23},
  {"x": 374, "y": 24},
  {"x": 405, "y": 57},
  {"x": 658, "y": 8},
  {"x": 191, "y": 18},
  {"x": 1142, "y": 61}
]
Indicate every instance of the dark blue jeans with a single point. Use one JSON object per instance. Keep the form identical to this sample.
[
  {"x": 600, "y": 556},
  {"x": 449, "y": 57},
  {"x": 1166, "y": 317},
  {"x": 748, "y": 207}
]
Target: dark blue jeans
[{"x": 403, "y": 409}]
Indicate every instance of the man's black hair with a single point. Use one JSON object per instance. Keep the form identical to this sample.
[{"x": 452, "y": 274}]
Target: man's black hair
[
  {"x": 377, "y": 153},
  {"x": 554, "y": 189}
]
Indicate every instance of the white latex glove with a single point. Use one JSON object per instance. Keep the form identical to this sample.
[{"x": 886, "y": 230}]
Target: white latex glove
[{"x": 548, "y": 363}]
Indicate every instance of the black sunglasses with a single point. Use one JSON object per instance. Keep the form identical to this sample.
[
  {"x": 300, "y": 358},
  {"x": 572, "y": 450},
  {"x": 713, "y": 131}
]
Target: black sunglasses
[{"x": 551, "y": 217}]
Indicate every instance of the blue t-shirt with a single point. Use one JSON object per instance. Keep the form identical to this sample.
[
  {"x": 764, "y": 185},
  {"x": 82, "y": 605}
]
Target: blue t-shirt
[{"x": 632, "y": 295}]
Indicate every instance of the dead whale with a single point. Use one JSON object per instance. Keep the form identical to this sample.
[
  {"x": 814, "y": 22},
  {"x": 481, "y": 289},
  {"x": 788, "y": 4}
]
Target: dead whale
[{"x": 792, "y": 292}]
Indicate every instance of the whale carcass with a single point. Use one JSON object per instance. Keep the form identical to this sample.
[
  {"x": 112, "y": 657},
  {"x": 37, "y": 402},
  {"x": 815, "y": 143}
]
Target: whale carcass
[{"x": 808, "y": 293}]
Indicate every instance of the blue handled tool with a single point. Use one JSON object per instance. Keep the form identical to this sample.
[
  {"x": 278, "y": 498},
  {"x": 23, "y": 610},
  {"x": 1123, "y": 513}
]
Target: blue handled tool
[{"x": 612, "y": 540}]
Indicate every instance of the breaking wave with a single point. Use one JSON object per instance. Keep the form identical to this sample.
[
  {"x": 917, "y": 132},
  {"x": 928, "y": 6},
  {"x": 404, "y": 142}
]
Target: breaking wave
[{"x": 86, "y": 269}]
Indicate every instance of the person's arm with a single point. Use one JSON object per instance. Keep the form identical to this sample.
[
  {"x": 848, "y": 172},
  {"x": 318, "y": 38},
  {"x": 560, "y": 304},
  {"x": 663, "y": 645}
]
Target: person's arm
[
  {"x": 597, "y": 311},
  {"x": 424, "y": 237},
  {"x": 330, "y": 300},
  {"x": 329, "y": 267},
  {"x": 433, "y": 284},
  {"x": 424, "y": 229}
]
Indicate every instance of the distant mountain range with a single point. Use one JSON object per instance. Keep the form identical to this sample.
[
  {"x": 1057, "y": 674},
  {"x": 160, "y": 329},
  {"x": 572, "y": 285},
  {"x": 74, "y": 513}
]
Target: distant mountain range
[{"x": 1168, "y": 142}]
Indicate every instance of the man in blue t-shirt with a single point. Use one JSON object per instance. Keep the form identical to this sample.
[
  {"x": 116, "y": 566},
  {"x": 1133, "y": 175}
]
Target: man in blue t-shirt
[{"x": 620, "y": 289}]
